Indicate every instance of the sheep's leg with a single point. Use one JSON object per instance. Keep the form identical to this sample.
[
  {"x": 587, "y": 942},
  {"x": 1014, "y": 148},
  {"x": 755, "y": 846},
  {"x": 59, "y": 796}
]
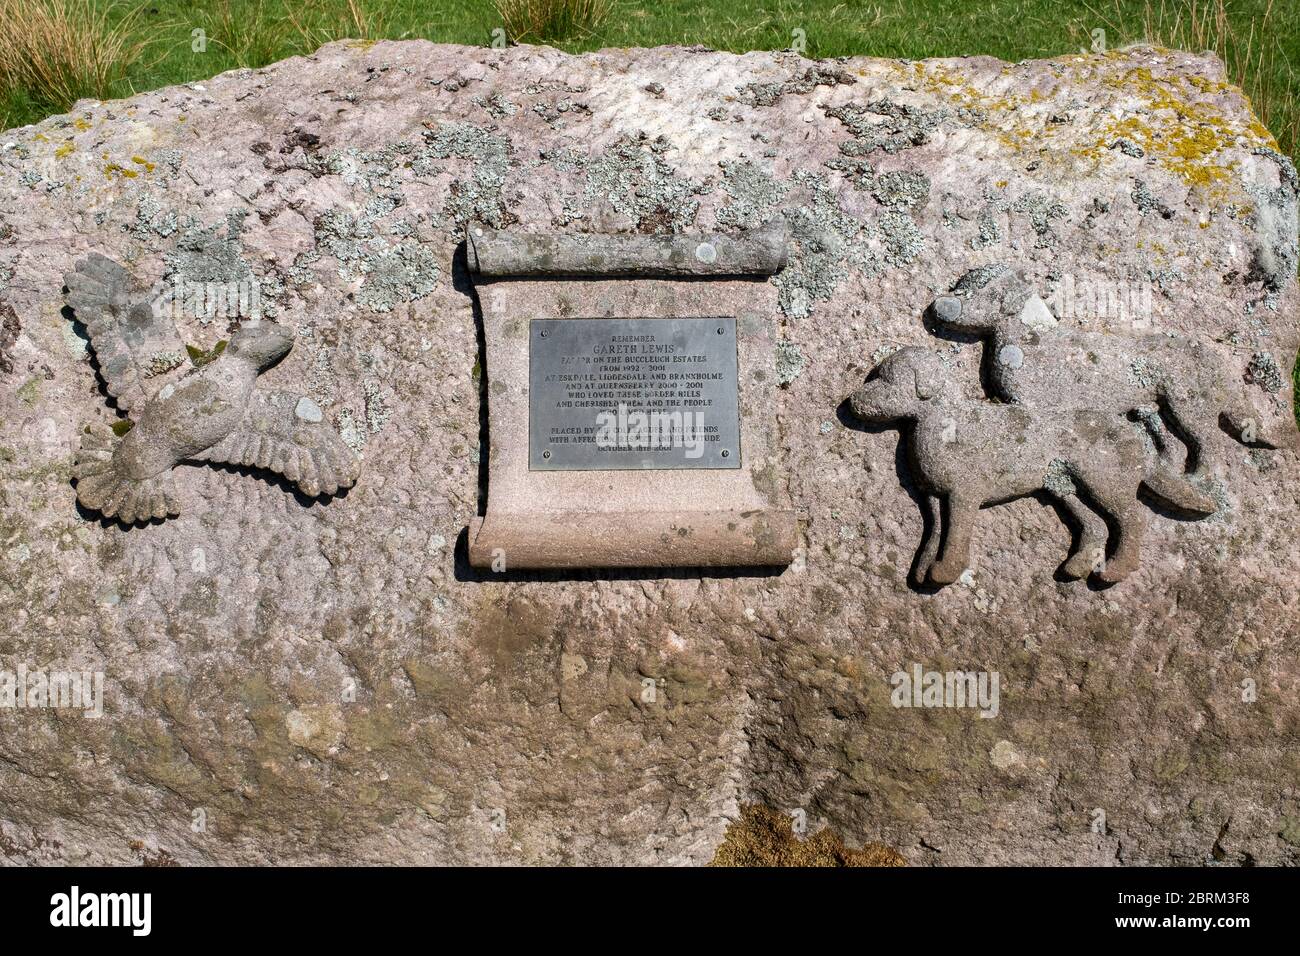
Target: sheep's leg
[
  {"x": 962, "y": 511},
  {"x": 1090, "y": 555},
  {"x": 1197, "y": 423},
  {"x": 930, "y": 546},
  {"x": 1122, "y": 504}
]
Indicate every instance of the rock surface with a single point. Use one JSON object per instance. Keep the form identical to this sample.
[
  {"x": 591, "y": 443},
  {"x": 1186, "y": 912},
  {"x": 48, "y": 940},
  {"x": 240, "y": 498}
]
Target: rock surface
[{"x": 301, "y": 680}]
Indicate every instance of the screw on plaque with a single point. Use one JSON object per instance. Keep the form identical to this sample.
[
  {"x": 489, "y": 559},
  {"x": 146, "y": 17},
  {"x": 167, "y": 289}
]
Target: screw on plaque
[
  {"x": 725, "y": 453},
  {"x": 546, "y": 454}
]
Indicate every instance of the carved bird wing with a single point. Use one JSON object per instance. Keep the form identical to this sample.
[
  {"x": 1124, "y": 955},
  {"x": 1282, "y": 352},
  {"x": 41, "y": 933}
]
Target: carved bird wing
[
  {"x": 288, "y": 434},
  {"x": 131, "y": 343}
]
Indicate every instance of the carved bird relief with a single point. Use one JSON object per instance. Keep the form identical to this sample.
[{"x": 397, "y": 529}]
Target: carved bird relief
[{"x": 215, "y": 413}]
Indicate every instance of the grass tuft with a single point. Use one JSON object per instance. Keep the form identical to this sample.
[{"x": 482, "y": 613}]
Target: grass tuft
[
  {"x": 55, "y": 52},
  {"x": 317, "y": 22},
  {"x": 246, "y": 31},
  {"x": 533, "y": 20}
]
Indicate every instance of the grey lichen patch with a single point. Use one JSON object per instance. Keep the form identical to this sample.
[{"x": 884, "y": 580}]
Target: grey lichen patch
[
  {"x": 1276, "y": 254},
  {"x": 790, "y": 363},
  {"x": 887, "y": 126},
  {"x": 988, "y": 230},
  {"x": 389, "y": 274},
  {"x": 1058, "y": 480},
  {"x": 1153, "y": 425},
  {"x": 1128, "y": 147},
  {"x": 322, "y": 381},
  {"x": 753, "y": 195},
  {"x": 153, "y": 218},
  {"x": 900, "y": 237},
  {"x": 467, "y": 141},
  {"x": 828, "y": 243},
  {"x": 480, "y": 197},
  {"x": 204, "y": 255},
  {"x": 1146, "y": 373},
  {"x": 163, "y": 362},
  {"x": 858, "y": 172},
  {"x": 1147, "y": 201},
  {"x": 401, "y": 274},
  {"x": 632, "y": 178},
  {"x": 378, "y": 411},
  {"x": 883, "y": 351},
  {"x": 497, "y": 105},
  {"x": 301, "y": 272},
  {"x": 351, "y": 430},
  {"x": 1264, "y": 371},
  {"x": 1041, "y": 210},
  {"x": 370, "y": 170},
  {"x": 766, "y": 94},
  {"x": 1165, "y": 278},
  {"x": 902, "y": 190},
  {"x": 169, "y": 160}
]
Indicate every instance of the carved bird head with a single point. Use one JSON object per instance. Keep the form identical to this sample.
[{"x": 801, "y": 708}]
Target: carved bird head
[{"x": 262, "y": 344}]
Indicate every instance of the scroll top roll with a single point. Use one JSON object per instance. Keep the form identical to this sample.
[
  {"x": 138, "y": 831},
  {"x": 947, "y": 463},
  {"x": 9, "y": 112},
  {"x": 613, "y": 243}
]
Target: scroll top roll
[{"x": 498, "y": 253}]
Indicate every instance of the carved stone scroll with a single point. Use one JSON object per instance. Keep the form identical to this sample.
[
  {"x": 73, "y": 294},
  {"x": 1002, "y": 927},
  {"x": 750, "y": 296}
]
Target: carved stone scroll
[{"x": 630, "y": 412}]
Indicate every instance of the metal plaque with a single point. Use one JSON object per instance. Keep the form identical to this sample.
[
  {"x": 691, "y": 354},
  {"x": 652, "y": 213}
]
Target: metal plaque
[{"x": 617, "y": 394}]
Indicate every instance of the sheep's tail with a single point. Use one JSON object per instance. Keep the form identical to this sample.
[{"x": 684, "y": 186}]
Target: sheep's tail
[{"x": 1177, "y": 490}]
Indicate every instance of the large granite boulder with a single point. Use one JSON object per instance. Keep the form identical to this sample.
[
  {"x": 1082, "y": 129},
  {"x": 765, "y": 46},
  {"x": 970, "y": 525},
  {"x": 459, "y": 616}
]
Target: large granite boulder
[{"x": 301, "y": 679}]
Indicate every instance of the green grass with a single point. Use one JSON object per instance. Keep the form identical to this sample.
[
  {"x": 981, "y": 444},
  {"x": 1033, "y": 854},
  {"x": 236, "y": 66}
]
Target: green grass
[{"x": 1261, "y": 41}]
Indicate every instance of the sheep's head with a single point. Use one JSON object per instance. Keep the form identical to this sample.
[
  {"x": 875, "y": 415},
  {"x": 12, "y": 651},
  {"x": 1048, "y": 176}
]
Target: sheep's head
[{"x": 898, "y": 386}]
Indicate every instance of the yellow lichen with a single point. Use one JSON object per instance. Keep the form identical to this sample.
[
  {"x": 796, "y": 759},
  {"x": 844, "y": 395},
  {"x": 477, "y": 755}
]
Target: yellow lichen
[
  {"x": 1185, "y": 134},
  {"x": 1170, "y": 117},
  {"x": 765, "y": 837},
  {"x": 65, "y": 150}
]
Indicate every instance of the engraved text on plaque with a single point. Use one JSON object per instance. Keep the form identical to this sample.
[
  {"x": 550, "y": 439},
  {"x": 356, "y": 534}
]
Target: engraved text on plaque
[{"x": 614, "y": 394}]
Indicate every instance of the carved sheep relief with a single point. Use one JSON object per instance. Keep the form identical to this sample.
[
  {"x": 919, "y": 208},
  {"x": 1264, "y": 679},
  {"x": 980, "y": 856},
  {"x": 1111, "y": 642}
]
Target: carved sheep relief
[{"x": 1089, "y": 418}]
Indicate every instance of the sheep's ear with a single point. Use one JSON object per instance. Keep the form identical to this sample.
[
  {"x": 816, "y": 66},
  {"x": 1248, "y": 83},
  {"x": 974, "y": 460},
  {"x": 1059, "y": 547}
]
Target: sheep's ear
[{"x": 927, "y": 384}]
